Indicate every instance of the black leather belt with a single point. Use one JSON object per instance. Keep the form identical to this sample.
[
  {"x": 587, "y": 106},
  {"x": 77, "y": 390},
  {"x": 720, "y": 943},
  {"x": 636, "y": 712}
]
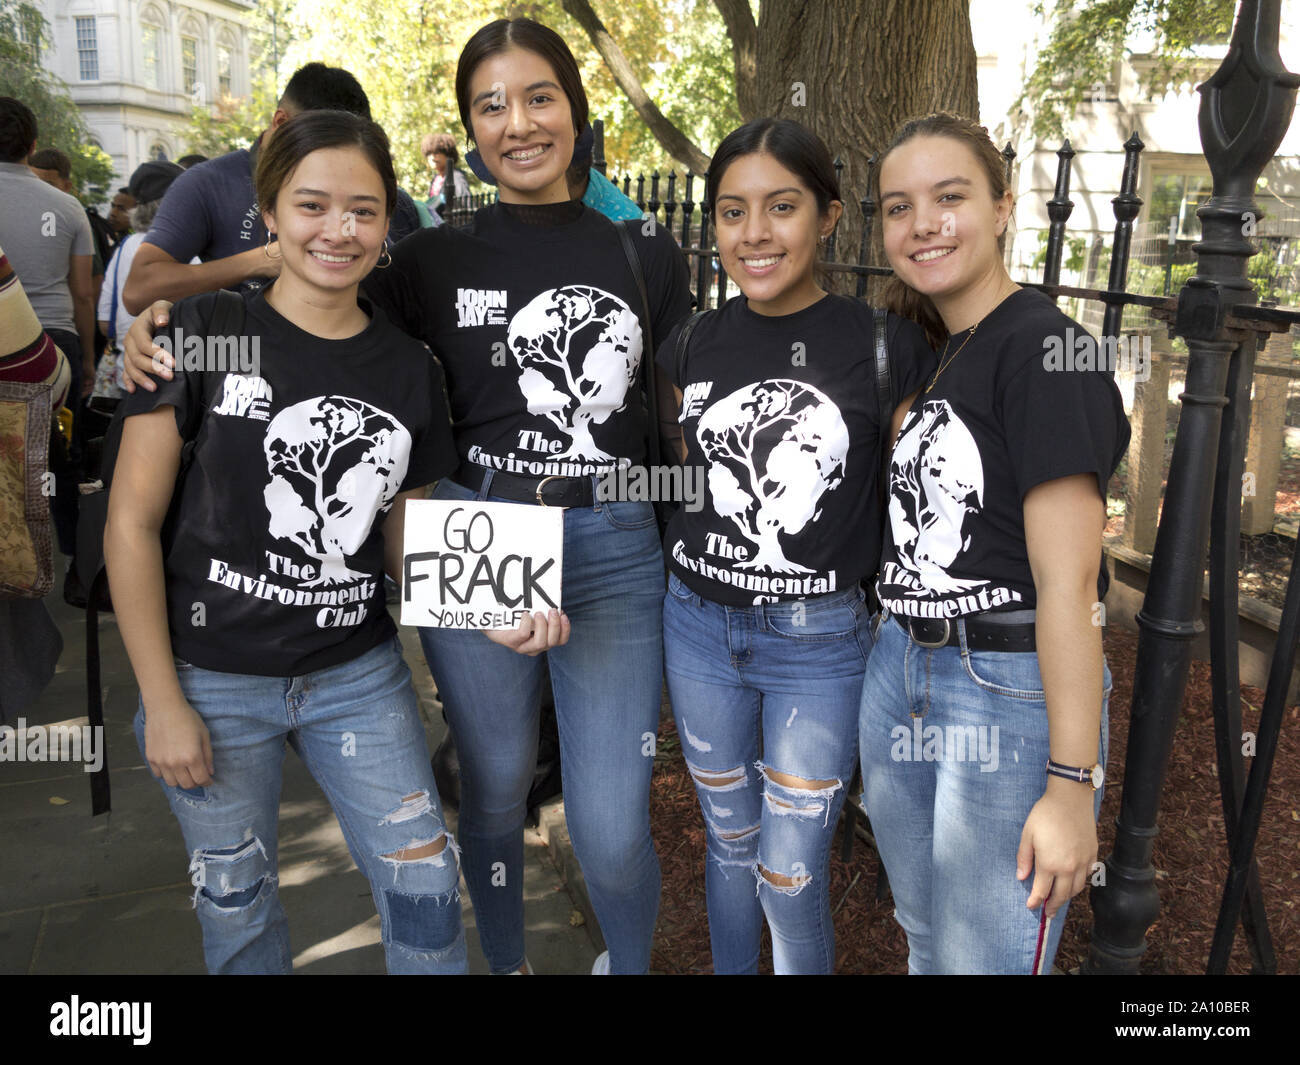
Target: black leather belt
[
  {"x": 541, "y": 491},
  {"x": 982, "y": 632}
]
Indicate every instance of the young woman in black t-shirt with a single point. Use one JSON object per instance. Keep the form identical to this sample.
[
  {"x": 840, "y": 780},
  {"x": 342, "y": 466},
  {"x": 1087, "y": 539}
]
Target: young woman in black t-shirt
[
  {"x": 537, "y": 317},
  {"x": 311, "y": 426},
  {"x": 983, "y": 727},
  {"x": 765, "y": 627}
]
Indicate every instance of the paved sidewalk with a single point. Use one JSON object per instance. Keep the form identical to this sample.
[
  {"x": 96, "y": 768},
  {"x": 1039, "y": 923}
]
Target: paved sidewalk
[{"x": 111, "y": 894}]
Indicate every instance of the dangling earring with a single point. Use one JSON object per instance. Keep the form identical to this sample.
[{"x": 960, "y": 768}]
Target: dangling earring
[
  {"x": 381, "y": 264},
  {"x": 267, "y": 250}
]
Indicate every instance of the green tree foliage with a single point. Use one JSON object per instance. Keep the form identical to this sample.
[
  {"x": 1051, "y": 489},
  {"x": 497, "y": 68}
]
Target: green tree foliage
[
  {"x": 683, "y": 57},
  {"x": 24, "y": 37},
  {"x": 231, "y": 123},
  {"x": 1089, "y": 36},
  {"x": 404, "y": 53}
]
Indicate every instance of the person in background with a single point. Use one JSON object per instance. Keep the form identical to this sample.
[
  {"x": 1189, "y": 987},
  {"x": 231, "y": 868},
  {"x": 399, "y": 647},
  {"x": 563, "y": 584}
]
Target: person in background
[
  {"x": 47, "y": 237},
  {"x": 211, "y": 211},
  {"x": 30, "y": 642},
  {"x": 187, "y": 161},
  {"x": 55, "y": 168},
  {"x": 449, "y": 181},
  {"x": 119, "y": 214},
  {"x": 148, "y": 184}
]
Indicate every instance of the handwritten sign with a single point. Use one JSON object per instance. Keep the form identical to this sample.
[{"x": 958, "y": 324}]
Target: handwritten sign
[{"x": 479, "y": 565}]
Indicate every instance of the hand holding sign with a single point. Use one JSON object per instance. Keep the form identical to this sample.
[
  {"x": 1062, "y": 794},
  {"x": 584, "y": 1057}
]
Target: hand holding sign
[
  {"x": 489, "y": 566},
  {"x": 536, "y": 633}
]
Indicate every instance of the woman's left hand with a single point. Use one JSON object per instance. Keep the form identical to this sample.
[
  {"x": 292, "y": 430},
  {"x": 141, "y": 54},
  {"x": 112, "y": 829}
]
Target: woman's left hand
[
  {"x": 536, "y": 633},
  {"x": 1058, "y": 844}
]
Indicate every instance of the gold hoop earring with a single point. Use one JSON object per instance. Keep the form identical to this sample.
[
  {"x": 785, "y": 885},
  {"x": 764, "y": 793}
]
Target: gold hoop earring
[
  {"x": 266, "y": 250},
  {"x": 380, "y": 264}
]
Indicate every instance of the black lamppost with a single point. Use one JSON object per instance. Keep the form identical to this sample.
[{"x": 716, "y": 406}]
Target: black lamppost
[{"x": 1246, "y": 107}]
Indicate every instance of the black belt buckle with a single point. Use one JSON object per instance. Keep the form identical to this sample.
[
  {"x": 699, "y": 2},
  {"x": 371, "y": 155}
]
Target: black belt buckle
[{"x": 942, "y": 641}]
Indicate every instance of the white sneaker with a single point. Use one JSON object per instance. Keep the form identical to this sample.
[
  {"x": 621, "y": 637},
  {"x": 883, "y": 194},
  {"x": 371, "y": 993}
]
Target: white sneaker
[
  {"x": 600, "y": 967},
  {"x": 524, "y": 970}
]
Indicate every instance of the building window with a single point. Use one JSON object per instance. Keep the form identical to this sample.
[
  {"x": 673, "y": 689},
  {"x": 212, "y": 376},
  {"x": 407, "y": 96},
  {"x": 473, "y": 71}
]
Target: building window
[
  {"x": 225, "y": 63},
  {"x": 189, "y": 64},
  {"x": 87, "y": 49},
  {"x": 1176, "y": 196},
  {"x": 29, "y": 33},
  {"x": 149, "y": 51}
]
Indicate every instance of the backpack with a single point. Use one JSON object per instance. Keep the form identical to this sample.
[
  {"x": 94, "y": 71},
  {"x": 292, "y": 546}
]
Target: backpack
[{"x": 227, "y": 318}]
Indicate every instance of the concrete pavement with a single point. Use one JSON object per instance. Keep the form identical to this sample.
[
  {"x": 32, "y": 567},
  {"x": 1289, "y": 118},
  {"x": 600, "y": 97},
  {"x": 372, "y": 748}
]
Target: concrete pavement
[{"x": 111, "y": 894}]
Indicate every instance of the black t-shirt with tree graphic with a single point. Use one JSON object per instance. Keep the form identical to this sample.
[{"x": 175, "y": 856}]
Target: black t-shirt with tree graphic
[
  {"x": 781, "y": 414},
  {"x": 535, "y": 314},
  {"x": 1001, "y": 418},
  {"x": 275, "y": 563}
]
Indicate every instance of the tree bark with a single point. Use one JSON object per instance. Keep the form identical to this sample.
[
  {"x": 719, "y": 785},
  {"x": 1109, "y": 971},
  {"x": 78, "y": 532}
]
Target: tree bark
[
  {"x": 864, "y": 67},
  {"x": 850, "y": 70},
  {"x": 743, "y": 32},
  {"x": 674, "y": 141}
]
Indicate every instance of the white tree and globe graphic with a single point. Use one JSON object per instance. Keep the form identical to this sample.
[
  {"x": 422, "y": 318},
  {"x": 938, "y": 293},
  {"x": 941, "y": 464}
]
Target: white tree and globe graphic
[
  {"x": 578, "y": 348},
  {"x": 775, "y": 448},
  {"x": 334, "y": 463}
]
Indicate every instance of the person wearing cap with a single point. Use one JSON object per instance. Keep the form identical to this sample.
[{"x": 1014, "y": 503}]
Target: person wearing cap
[
  {"x": 212, "y": 211},
  {"x": 145, "y": 190}
]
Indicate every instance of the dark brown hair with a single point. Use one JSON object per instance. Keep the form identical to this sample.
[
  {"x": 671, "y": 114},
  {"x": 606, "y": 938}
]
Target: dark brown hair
[
  {"x": 51, "y": 159},
  {"x": 440, "y": 142},
  {"x": 534, "y": 37},
  {"x": 311, "y": 131},
  {"x": 898, "y": 296},
  {"x": 795, "y": 147}
]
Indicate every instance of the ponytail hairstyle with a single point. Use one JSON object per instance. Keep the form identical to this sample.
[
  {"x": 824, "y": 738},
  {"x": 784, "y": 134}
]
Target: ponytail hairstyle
[{"x": 898, "y": 296}]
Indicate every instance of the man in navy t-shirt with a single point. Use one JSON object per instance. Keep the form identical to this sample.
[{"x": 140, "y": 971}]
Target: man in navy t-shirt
[{"x": 211, "y": 212}]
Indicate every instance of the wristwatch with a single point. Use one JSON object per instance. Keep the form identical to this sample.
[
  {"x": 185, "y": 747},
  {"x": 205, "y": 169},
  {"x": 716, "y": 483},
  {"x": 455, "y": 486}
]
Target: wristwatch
[{"x": 1093, "y": 776}]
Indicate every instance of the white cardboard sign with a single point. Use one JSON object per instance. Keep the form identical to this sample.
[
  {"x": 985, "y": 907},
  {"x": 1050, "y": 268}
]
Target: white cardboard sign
[{"x": 479, "y": 565}]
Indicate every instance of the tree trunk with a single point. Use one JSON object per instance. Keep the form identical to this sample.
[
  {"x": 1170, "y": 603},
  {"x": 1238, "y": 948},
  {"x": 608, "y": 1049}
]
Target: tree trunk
[
  {"x": 854, "y": 70},
  {"x": 674, "y": 141}
]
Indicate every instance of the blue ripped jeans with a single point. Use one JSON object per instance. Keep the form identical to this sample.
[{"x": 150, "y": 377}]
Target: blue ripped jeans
[
  {"x": 758, "y": 691},
  {"x": 608, "y": 685},
  {"x": 954, "y": 748},
  {"x": 357, "y": 728}
]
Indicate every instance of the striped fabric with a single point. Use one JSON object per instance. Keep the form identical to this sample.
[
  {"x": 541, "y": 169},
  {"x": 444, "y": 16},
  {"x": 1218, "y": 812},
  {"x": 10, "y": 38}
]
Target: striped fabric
[{"x": 27, "y": 354}]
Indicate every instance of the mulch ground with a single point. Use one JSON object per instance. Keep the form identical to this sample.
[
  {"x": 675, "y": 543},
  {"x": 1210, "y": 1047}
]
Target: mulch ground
[{"x": 1191, "y": 856}]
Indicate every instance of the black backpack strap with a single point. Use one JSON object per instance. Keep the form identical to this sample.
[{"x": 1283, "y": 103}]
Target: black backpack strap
[
  {"x": 684, "y": 343},
  {"x": 647, "y": 345}
]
